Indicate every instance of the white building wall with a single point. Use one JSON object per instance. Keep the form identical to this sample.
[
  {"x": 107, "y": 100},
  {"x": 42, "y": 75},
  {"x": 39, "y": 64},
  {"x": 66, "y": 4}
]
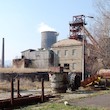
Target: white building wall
[{"x": 65, "y": 56}]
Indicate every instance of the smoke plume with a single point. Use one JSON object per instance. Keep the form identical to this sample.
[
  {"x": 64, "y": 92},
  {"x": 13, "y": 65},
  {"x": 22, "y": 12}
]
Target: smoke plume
[{"x": 44, "y": 27}]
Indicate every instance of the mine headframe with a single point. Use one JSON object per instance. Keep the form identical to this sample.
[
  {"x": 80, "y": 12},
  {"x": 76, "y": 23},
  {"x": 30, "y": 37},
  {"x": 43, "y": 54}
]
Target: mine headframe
[
  {"x": 78, "y": 30},
  {"x": 76, "y": 27}
]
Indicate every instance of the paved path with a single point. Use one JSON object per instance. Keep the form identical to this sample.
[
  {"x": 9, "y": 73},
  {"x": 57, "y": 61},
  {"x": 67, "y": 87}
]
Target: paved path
[{"x": 94, "y": 101}]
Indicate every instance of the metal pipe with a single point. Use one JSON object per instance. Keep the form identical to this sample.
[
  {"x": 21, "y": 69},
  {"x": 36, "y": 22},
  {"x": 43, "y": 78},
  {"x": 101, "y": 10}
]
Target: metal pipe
[
  {"x": 2, "y": 53},
  {"x": 42, "y": 97}
]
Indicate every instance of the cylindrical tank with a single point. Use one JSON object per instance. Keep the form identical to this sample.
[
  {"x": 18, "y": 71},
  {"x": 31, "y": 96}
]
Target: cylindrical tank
[
  {"x": 58, "y": 82},
  {"x": 105, "y": 73},
  {"x": 48, "y": 38}
]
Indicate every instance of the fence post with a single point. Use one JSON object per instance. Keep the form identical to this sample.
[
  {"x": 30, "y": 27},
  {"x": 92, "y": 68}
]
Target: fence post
[
  {"x": 12, "y": 91},
  {"x": 42, "y": 97},
  {"x": 18, "y": 87}
]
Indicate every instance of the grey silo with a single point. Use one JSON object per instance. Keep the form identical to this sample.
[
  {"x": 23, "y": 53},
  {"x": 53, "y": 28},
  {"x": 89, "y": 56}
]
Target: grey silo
[{"x": 48, "y": 38}]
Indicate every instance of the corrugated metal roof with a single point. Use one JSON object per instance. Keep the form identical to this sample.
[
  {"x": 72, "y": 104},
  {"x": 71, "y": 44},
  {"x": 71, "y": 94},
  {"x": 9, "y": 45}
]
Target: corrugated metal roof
[{"x": 67, "y": 42}]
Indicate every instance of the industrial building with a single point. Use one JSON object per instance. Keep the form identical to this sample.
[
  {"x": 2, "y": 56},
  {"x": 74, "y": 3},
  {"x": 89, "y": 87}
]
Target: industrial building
[
  {"x": 72, "y": 53},
  {"x": 68, "y": 54},
  {"x": 67, "y": 61},
  {"x": 38, "y": 58},
  {"x": 41, "y": 58}
]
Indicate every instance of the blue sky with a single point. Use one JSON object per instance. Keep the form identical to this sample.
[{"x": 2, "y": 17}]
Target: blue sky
[{"x": 21, "y": 20}]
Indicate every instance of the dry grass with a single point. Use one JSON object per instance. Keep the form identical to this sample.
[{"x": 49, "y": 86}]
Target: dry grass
[
  {"x": 25, "y": 84},
  {"x": 21, "y": 70}
]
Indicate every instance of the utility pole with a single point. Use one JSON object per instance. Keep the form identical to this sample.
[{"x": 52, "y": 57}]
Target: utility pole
[
  {"x": 83, "y": 46},
  {"x": 83, "y": 58}
]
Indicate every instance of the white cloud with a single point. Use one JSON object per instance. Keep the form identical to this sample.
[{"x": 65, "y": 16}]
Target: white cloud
[{"x": 44, "y": 27}]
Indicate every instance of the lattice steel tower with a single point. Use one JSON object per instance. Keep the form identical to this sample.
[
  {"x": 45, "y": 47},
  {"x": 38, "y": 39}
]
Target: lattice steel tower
[{"x": 76, "y": 27}]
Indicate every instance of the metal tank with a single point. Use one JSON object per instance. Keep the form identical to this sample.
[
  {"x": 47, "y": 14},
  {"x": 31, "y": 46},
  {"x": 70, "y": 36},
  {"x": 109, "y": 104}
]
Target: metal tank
[
  {"x": 58, "y": 82},
  {"x": 48, "y": 38}
]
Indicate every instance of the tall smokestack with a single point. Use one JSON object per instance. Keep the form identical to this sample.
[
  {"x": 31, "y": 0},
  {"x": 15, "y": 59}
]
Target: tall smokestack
[{"x": 3, "y": 53}]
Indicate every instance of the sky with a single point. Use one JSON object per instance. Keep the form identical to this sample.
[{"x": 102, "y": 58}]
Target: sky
[{"x": 21, "y": 21}]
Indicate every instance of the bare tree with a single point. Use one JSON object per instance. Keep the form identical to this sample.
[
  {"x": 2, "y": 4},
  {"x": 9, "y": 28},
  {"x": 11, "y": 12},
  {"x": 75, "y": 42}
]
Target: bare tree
[
  {"x": 102, "y": 29},
  {"x": 103, "y": 7},
  {"x": 102, "y": 19}
]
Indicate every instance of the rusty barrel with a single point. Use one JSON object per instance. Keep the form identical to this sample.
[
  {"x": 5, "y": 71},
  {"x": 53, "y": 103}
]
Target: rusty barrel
[{"x": 58, "y": 84}]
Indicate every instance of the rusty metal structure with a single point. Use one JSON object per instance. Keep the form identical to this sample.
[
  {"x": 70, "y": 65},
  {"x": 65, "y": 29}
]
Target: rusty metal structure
[
  {"x": 13, "y": 102},
  {"x": 20, "y": 100},
  {"x": 76, "y": 27},
  {"x": 77, "y": 30}
]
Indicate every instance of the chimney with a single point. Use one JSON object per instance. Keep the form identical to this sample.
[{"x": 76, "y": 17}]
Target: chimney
[{"x": 3, "y": 53}]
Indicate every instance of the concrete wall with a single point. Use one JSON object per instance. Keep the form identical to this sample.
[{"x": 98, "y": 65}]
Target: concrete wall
[
  {"x": 40, "y": 59},
  {"x": 21, "y": 63},
  {"x": 29, "y": 54}
]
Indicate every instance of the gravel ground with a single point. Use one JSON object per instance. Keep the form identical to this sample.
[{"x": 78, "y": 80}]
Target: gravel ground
[{"x": 102, "y": 101}]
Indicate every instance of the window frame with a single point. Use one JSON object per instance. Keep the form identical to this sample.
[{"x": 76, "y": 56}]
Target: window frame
[
  {"x": 66, "y": 53},
  {"x": 73, "y": 51},
  {"x": 74, "y": 66}
]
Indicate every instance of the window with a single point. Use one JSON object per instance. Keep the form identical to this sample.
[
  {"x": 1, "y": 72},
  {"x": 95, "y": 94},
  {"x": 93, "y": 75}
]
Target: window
[
  {"x": 58, "y": 53},
  {"x": 66, "y": 66},
  {"x": 88, "y": 52},
  {"x": 59, "y": 64},
  {"x": 74, "y": 65},
  {"x": 73, "y": 52},
  {"x": 66, "y": 52}
]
